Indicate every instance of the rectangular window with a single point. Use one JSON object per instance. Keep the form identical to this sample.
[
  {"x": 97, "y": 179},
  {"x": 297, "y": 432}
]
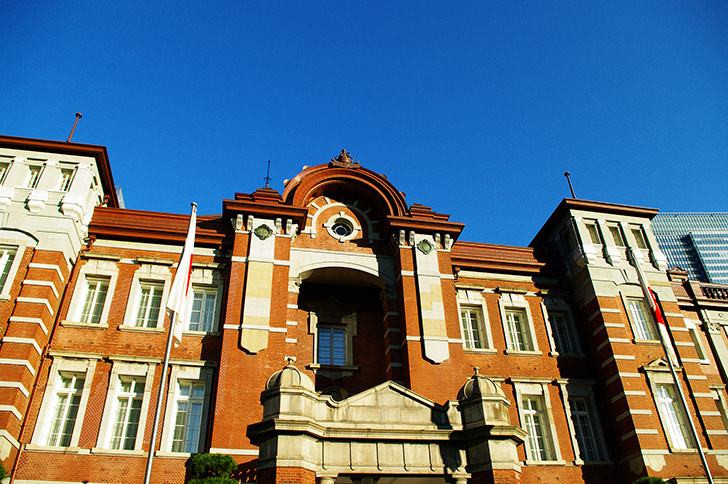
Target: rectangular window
[
  {"x": 130, "y": 395},
  {"x": 471, "y": 318},
  {"x": 202, "y": 316},
  {"x": 639, "y": 237},
  {"x": 188, "y": 417},
  {"x": 32, "y": 177},
  {"x": 719, "y": 402},
  {"x": 93, "y": 305},
  {"x": 7, "y": 257},
  {"x": 332, "y": 345},
  {"x": 150, "y": 302},
  {"x": 536, "y": 424},
  {"x": 616, "y": 235},
  {"x": 66, "y": 179},
  {"x": 4, "y": 168},
  {"x": 591, "y": 227},
  {"x": 642, "y": 323},
  {"x": 68, "y": 398},
  {"x": 584, "y": 428},
  {"x": 562, "y": 332},
  {"x": 519, "y": 336},
  {"x": 674, "y": 419}
]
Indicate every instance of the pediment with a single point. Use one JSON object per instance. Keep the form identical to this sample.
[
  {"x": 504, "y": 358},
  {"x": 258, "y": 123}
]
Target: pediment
[
  {"x": 390, "y": 404},
  {"x": 660, "y": 364}
]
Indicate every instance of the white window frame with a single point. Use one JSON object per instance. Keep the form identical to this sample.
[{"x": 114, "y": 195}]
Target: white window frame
[
  {"x": 63, "y": 366},
  {"x": 553, "y": 305},
  {"x": 695, "y": 336},
  {"x": 517, "y": 302},
  {"x": 147, "y": 273},
  {"x": 583, "y": 390},
  {"x": 659, "y": 376},
  {"x": 207, "y": 279},
  {"x": 124, "y": 369},
  {"x": 348, "y": 322},
  {"x": 64, "y": 184},
  {"x": 637, "y": 329},
  {"x": 93, "y": 268},
  {"x": 33, "y": 175},
  {"x": 11, "y": 265},
  {"x": 473, "y": 299},
  {"x": 185, "y": 373},
  {"x": 538, "y": 388}
]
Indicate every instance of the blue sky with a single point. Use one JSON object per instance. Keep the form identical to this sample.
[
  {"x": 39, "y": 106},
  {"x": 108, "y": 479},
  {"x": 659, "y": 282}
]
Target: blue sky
[{"x": 473, "y": 108}]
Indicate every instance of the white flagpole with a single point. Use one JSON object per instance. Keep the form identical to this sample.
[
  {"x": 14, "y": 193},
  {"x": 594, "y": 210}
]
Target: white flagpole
[
  {"x": 669, "y": 351},
  {"x": 184, "y": 265}
]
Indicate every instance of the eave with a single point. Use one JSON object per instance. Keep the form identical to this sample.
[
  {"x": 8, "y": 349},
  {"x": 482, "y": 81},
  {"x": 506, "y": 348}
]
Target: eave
[
  {"x": 505, "y": 259},
  {"x": 157, "y": 227}
]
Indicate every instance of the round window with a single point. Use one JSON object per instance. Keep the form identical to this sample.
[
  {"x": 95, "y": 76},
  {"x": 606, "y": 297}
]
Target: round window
[{"x": 342, "y": 227}]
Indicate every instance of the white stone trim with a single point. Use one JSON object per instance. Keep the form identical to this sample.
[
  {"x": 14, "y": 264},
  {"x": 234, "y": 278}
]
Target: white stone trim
[
  {"x": 45, "y": 417},
  {"x": 628, "y": 393},
  {"x": 119, "y": 370},
  {"x": 26, "y": 341},
  {"x": 30, "y": 282},
  {"x": 13, "y": 361},
  {"x": 4, "y": 434},
  {"x": 15, "y": 384},
  {"x": 13, "y": 410},
  {"x": 222, "y": 450},
  {"x": 36, "y": 300},
  {"x": 22, "y": 319},
  {"x": 37, "y": 265},
  {"x": 632, "y": 411}
]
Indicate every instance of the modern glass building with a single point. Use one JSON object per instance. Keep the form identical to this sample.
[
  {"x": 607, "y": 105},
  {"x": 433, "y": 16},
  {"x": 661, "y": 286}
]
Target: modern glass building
[{"x": 696, "y": 242}]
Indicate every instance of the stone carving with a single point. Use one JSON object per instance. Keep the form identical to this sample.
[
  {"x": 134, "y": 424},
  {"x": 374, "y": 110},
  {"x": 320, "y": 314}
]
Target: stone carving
[
  {"x": 344, "y": 160},
  {"x": 425, "y": 246},
  {"x": 263, "y": 232}
]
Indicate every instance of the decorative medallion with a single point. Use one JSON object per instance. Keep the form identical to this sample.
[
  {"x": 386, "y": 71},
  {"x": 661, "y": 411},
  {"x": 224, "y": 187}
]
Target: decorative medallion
[
  {"x": 263, "y": 232},
  {"x": 425, "y": 246}
]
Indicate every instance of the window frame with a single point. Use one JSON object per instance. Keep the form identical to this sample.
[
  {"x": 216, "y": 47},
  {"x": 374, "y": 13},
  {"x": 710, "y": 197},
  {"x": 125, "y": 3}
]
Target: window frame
[
  {"x": 637, "y": 329},
  {"x": 60, "y": 366},
  {"x": 11, "y": 265},
  {"x": 556, "y": 305},
  {"x": 33, "y": 176},
  {"x": 474, "y": 300},
  {"x": 206, "y": 279},
  {"x": 64, "y": 184},
  {"x": 659, "y": 376},
  {"x": 510, "y": 303},
  {"x": 148, "y": 273},
  {"x": 124, "y": 370},
  {"x": 97, "y": 266},
  {"x": 583, "y": 390},
  {"x": 348, "y": 322},
  {"x": 181, "y": 372},
  {"x": 695, "y": 336},
  {"x": 538, "y": 389}
]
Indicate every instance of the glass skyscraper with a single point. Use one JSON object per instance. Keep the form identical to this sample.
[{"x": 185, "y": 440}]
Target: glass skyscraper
[{"x": 696, "y": 242}]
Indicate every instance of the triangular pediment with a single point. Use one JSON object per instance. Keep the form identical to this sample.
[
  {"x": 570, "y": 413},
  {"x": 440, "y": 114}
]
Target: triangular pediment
[
  {"x": 660, "y": 364},
  {"x": 390, "y": 404}
]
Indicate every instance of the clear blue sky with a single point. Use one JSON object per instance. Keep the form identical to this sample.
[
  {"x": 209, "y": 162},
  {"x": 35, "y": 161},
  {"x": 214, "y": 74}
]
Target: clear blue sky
[{"x": 473, "y": 108}]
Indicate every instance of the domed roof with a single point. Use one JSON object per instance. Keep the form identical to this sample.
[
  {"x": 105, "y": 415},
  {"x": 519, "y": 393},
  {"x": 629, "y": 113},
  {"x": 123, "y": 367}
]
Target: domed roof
[
  {"x": 289, "y": 377},
  {"x": 479, "y": 386}
]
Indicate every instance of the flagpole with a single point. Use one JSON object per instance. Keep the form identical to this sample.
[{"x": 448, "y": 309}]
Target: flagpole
[
  {"x": 658, "y": 316},
  {"x": 160, "y": 396},
  {"x": 176, "y": 303}
]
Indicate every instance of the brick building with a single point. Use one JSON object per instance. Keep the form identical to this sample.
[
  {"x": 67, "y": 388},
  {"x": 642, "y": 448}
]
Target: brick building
[{"x": 341, "y": 335}]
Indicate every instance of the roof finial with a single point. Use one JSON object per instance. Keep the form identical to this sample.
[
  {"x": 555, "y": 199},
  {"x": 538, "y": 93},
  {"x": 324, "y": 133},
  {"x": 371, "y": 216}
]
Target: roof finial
[
  {"x": 344, "y": 160},
  {"x": 267, "y": 176},
  {"x": 78, "y": 116},
  {"x": 567, "y": 175}
]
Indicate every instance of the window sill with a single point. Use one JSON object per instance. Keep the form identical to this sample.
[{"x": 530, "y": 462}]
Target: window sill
[
  {"x": 332, "y": 372},
  {"x": 137, "y": 329},
  {"x": 529, "y": 462},
  {"x": 523, "y": 353},
  {"x": 593, "y": 462},
  {"x": 200, "y": 334},
  {"x": 646, "y": 341},
  {"x": 99, "y": 450},
  {"x": 481, "y": 351},
  {"x": 75, "y": 324},
  {"x": 174, "y": 455},
  {"x": 573, "y": 356},
  {"x": 56, "y": 450}
]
